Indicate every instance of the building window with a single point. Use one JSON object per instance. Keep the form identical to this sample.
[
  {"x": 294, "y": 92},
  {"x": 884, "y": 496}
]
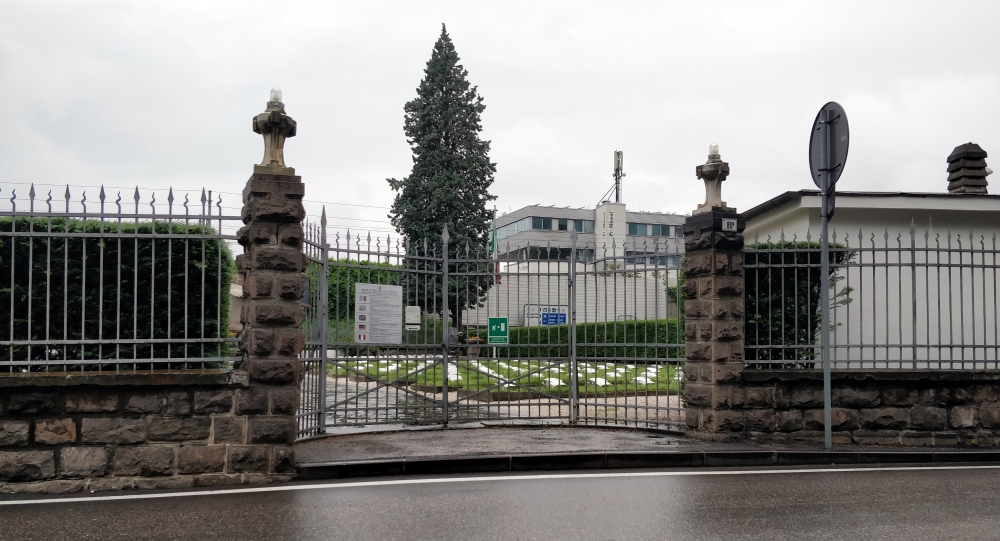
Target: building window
[
  {"x": 563, "y": 225},
  {"x": 638, "y": 229},
  {"x": 541, "y": 223},
  {"x": 583, "y": 226}
]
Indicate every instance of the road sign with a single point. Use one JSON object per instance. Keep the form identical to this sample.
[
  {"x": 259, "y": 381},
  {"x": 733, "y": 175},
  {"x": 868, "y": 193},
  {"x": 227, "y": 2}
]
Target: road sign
[
  {"x": 828, "y": 146},
  {"x": 499, "y": 332}
]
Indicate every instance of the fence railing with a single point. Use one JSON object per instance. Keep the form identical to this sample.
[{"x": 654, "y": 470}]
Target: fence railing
[
  {"x": 110, "y": 283},
  {"x": 592, "y": 334},
  {"x": 899, "y": 300}
]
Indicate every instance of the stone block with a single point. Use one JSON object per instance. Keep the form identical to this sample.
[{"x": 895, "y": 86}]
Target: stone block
[
  {"x": 274, "y": 371},
  {"x": 728, "y": 421},
  {"x": 729, "y": 286},
  {"x": 260, "y": 285},
  {"x": 14, "y": 433},
  {"x": 706, "y": 331},
  {"x": 226, "y": 429},
  {"x": 989, "y": 415},
  {"x": 759, "y": 397},
  {"x": 782, "y": 396},
  {"x": 261, "y": 233},
  {"x": 788, "y": 421},
  {"x": 278, "y": 313},
  {"x": 83, "y": 461},
  {"x": 91, "y": 402},
  {"x": 727, "y": 372},
  {"x": 720, "y": 351},
  {"x": 840, "y": 419},
  {"x": 691, "y": 330},
  {"x": 697, "y": 264},
  {"x": 260, "y": 342},
  {"x": 876, "y": 437},
  {"x": 760, "y": 420},
  {"x": 697, "y": 309},
  {"x": 112, "y": 430},
  {"x": 217, "y": 479},
  {"x": 698, "y": 395},
  {"x": 284, "y": 459},
  {"x": 806, "y": 397},
  {"x": 955, "y": 395},
  {"x": 201, "y": 459},
  {"x": 289, "y": 342},
  {"x": 106, "y": 484},
  {"x": 728, "y": 331},
  {"x": 217, "y": 401},
  {"x": 58, "y": 486},
  {"x": 155, "y": 483},
  {"x": 284, "y": 401},
  {"x": 705, "y": 286},
  {"x": 913, "y": 438},
  {"x": 898, "y": 396},
  {"x": 278, "y": 258},
  {"x": 884, "y": 418},
  {"x": 928, "y": 418},
  {"x": 266, "y": 479},
  {"x": 272, "y": 429},
  {"x": 819, "y": 436},
  {"x": 146, "y": 403},
  {"x": 55, "y": 431},
  {"x": 291, "y": 234},
  {"x": 178, "y": 403},
  {"x": 144, "y": 460},
  {"x": 948, "y": 439},
  {"x": 32, "y": 403},
  {"x": 292, "y": 287},
  {"x": 691, "y": 289},
  {"x": 963, "y": 417},
  {"x": 691, "y": 417},
  {"x": 699, "y": 351},
  {"x": 852, "y": 397},
  {"x": 252, "y": 401},
  {"x": 179, "y": 429},
  {"x": 26, "y": 465},
  {"x": 989, "y": 392},
  {"x": 248, "y": 458},
  {"x": 736, "y": 263}
]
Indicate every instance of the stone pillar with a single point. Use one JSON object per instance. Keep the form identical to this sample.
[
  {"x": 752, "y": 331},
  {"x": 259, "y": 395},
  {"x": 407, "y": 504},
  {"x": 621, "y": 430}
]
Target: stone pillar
[
  {"x": 713, "y": 312},
  {"x": 273, "y": 266}
]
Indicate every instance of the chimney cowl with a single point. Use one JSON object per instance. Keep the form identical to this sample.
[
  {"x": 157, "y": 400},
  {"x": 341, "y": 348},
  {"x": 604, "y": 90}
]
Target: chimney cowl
[{"x": 967, "y": 169}]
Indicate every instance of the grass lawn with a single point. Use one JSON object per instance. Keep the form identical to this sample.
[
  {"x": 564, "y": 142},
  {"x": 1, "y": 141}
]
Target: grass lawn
[{"x": 527, "y": 375}]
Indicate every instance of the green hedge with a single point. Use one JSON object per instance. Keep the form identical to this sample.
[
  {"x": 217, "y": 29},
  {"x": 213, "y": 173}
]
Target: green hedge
[
  {"x": 91, "y": 301},
  {"x": 611, "y": 340}
]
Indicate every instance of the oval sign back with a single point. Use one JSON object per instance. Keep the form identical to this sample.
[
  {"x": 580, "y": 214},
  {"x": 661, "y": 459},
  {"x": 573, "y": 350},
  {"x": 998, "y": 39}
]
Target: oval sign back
[{"x": 832, "y": 117}]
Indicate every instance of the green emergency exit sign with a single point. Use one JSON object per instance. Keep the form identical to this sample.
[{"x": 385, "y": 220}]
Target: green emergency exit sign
[{"x": 499, "y": 332}]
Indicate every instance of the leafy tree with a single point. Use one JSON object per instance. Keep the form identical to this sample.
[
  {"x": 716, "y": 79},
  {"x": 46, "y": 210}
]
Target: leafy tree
[{"x": 451, "y": 175}]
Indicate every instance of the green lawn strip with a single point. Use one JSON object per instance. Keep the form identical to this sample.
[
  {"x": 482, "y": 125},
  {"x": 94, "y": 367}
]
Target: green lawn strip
[{"x": 515, "y": 376}]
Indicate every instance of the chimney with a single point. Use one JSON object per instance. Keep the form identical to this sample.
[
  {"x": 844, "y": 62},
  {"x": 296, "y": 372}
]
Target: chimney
[{"x": 967, "y": 169}]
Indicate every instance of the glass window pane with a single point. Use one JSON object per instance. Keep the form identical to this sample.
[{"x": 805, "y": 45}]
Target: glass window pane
[
  {"x": 563, "y": 225},
  {"x": 640, "y": 229},
  {"x": 588, "y": 226},
  {"x": 536, "y": 223},
  {"x": 578, "y": 226},
  {"x": 633, "y": 228},
  {"x": 546, "y": 223}
]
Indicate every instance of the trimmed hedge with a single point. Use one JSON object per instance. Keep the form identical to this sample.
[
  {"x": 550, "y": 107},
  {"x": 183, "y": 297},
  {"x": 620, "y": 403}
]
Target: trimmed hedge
[
  {"x": 105, "y": 288},
  {"x": 611, "y": 340}
]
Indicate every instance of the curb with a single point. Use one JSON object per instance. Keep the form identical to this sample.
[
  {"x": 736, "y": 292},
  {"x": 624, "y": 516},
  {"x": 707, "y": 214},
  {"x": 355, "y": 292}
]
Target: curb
[{"x": 629, "y": 460}]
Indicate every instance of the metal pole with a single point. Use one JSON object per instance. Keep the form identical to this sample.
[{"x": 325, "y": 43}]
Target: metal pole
[
  {"x": 825, "y": 285},
  {"x": 574, "y": 398},
  {"x": 324, "y": 320},
  {"x": 446, "y": 338}
]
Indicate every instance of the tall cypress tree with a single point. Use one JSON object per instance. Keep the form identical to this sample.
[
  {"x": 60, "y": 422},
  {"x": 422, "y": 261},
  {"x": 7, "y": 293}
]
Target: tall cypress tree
[{"x": 451, "y": 175}]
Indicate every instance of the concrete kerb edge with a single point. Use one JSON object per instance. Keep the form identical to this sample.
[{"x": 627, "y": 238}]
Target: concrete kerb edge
[{"x": 630, "y": 460}]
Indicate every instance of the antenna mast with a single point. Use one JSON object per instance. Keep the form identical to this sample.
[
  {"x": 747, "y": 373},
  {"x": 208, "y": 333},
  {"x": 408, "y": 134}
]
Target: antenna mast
[{"x": 618, "y": 174}]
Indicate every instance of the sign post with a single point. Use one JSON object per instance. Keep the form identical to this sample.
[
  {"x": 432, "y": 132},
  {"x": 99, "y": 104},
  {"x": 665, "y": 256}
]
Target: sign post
[
  {"x": 499, "y": 332},
  {"x": 827, "y": 155}
]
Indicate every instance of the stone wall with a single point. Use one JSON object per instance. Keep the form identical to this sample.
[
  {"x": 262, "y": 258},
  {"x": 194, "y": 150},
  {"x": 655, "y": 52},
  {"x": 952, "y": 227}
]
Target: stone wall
[
  {"x": 870, "y": 407},
  {"x": 67, "y": 433}
]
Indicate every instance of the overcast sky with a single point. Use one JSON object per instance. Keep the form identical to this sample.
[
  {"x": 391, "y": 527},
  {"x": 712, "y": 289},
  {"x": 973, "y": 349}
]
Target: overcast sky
[{"x": 160, "y": 94}]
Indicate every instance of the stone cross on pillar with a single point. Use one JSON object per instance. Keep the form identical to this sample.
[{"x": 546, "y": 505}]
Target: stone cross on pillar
[{"x": 274, "y": 281}]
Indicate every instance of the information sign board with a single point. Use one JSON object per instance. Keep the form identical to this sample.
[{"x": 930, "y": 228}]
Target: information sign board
[
  {"x": 378, "y": 314},
  {"x": 499, "y": 332}
]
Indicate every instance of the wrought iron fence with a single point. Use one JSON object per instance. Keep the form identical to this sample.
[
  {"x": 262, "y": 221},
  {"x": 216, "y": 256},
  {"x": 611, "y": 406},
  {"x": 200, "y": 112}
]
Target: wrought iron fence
[
  {"x": 899, "y": 300},
  {"x": 591, "y": 340},
  {"x": 95, "y": 284}
]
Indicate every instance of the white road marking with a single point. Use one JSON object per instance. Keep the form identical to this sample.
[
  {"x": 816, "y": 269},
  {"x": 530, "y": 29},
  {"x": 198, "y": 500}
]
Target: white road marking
[{"x": 688, "y": 473}]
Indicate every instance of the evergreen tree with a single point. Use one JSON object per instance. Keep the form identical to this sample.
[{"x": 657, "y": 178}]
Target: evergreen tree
[{"x": 451, "y": 175}]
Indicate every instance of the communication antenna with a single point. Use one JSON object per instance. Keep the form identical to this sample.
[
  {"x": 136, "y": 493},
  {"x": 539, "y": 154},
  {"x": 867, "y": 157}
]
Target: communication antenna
[{"x": 618, "y": 174}]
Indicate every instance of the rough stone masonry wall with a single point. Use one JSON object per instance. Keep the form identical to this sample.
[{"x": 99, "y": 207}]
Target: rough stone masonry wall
[{"x": 67, "y": 433}]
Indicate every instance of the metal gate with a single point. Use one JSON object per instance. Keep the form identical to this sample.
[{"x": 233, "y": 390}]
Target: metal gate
[{"x": 595, "y": 334}]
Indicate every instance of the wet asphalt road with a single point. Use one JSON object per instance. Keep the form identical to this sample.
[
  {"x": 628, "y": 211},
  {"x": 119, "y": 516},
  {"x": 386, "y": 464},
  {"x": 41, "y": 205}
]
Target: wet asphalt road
[{"x": 872, "y": 504}]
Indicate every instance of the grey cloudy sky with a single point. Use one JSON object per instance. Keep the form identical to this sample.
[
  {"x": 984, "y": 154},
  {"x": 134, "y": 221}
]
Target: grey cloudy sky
[{"x": 160, "y": 94}]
